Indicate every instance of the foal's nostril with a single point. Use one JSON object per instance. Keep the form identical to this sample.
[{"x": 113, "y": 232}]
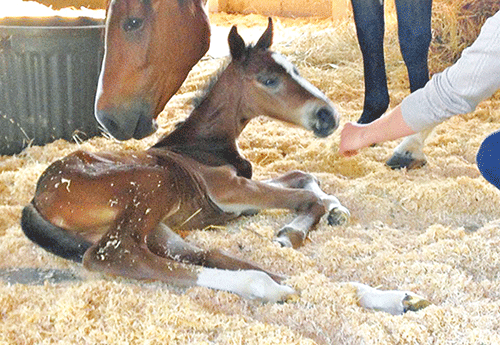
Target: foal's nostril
[
  {"x": 325, "y": 117},
  {"x": 325, "y": 122}
]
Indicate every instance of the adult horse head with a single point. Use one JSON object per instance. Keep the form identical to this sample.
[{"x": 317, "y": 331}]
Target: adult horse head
[{"x": 150, "y": 47}]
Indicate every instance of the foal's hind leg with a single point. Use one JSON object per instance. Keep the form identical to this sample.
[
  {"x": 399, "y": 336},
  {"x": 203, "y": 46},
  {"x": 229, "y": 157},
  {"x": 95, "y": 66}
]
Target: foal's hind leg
[
  {"x": 294, "y": 233},
  {"x": 166, "y": 243},
  {"x": 122, "y": 251}
]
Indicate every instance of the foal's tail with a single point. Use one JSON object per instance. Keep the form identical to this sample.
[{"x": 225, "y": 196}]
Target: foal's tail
[{"x": 52, "y": 238}]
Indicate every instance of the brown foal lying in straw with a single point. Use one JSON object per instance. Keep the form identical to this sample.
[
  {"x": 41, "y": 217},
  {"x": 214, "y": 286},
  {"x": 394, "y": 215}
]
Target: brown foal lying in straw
[{"x": 118, "y": 213}]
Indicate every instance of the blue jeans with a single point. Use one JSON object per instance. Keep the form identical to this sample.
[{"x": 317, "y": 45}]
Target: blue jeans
[
  {"x": 414, "y": 32},
  {"x": 488, "y": 159}
]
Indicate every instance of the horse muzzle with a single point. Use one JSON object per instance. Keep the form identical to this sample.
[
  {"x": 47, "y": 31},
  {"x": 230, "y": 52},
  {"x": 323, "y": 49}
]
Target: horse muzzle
[
  {"x": 324, "y": 121},
  {"x": 123, "y": 123}
]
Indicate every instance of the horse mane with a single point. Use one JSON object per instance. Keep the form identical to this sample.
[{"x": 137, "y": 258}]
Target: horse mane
[
  {"x": 203, "y": 92},
  {"x": 212, "y": 151}
]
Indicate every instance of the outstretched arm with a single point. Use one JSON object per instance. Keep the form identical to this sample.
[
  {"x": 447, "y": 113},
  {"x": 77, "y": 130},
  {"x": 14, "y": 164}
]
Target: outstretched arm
[
  {"x": 389, "y": 127},
  {"x": 456, "y": 90}
]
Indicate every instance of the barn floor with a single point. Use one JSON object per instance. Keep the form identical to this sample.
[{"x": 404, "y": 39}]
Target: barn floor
[{"x": 434, "y": 231}]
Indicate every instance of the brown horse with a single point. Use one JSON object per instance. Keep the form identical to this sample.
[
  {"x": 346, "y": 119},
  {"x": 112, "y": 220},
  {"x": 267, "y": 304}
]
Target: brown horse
[
  {"x": 119, "y": 212},
  {"x": 150, "y": 47}
]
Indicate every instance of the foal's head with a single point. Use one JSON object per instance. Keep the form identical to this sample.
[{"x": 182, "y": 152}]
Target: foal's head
[
  {"x": 151, "y": 45},
  {"x": 272, "y": 86}
]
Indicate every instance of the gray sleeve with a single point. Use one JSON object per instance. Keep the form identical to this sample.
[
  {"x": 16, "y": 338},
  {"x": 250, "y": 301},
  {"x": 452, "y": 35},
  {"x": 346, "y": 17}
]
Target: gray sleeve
[{"x": 459, "y": 88}]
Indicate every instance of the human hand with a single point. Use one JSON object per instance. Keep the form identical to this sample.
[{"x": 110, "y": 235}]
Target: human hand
[{"x": 351, "y": 139}]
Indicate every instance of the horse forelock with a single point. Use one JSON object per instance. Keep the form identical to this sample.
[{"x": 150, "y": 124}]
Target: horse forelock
[
  {"x": 212, "y": 81},
  {"x": 214, "y": 78}
]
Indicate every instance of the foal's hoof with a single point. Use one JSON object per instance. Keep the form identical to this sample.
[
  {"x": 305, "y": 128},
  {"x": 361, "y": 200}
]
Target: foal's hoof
[
  {"x": 395, "y": 302},
  {"x": 289, "y": 237},
  {"x": 405, "y": 160},
  {"x": 283, "y": 242},
  {"x": 339, "y": 216},
  {"x": 413, "y": 302}
]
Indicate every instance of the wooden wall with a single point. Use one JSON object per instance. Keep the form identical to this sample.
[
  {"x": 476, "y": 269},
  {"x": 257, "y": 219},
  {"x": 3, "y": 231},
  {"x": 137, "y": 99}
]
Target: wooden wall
[
  {"x": 57, "y": 4},
  {"x": 286, "y": 8}
]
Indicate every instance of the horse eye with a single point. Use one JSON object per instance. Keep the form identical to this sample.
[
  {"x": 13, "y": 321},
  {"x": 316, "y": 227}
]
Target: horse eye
[
  {"x": 132, "y": 24},
  {"x": 270, "y": 82},
  {"x": 296, "y": 71}
]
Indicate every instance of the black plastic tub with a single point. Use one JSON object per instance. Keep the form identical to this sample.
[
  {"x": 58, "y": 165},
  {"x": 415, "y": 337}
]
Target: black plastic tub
[{"x": 49, "y": 69}]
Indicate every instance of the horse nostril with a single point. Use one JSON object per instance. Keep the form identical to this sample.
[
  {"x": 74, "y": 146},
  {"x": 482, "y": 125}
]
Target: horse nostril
[
  {"x": 325, "y": 118},
  {"x": 123, "y": 123},
  {"x": 325, "y": 122},
  {"x": 108, "y": 123},
  {"x": 145, "y": 125},
  {"x": 111, "y": 126}
]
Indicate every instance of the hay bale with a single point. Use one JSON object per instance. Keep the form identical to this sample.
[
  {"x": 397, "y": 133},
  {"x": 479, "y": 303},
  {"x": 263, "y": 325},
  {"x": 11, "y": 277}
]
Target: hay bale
[{"x": 456, "y": 25}]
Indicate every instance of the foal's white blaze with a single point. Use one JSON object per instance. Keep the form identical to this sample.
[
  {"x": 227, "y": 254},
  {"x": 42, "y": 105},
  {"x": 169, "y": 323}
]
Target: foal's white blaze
[
  {"x": 313, "y": 90},
  {"x": 290, "y": 69},
  {"x": 249, "y": 284}
]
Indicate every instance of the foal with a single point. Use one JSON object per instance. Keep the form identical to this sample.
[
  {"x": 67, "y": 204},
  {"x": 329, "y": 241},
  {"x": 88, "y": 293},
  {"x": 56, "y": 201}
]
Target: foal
[{"x": 118, "y": 213}]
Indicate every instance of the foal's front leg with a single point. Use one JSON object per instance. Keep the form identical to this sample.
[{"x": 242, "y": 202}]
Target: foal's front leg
[
  {"x": 295, "y": 191},
  {"x": 294, "y": 233}
]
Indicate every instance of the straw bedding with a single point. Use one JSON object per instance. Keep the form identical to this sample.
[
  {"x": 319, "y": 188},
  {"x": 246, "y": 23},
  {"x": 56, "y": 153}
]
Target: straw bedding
[{"x": 434, "y": 231}]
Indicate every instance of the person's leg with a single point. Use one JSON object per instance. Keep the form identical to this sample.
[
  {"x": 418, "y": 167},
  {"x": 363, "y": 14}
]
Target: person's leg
[
  {"x": 369, "y": 20},
  {"x": 414, "y": 30},
  {"x": 488, "y": 159}
]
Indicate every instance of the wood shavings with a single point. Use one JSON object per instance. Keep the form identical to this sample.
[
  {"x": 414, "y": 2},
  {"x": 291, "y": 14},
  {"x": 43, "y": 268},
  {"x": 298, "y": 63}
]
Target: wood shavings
[{"x": 434, "y": 231}]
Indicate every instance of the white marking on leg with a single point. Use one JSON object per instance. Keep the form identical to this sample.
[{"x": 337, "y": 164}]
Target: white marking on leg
[
  {"x": 331, "y": 202},
  {"x": 390, "y": 301},
  {"x": 249, "y": 284},
  {"x": 415, "y": 144}
]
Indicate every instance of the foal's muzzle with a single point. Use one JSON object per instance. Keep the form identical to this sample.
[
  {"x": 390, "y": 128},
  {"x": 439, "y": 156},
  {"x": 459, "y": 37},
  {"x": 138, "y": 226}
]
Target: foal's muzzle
[{"x": 325, "y": 121}]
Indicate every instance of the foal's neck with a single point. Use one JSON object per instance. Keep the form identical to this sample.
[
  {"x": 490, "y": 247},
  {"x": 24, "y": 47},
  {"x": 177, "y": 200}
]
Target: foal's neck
[{"x": 210, "y": 132}]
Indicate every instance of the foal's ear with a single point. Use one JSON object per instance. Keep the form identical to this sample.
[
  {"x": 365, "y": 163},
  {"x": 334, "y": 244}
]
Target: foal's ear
[
  {"x": 237, "y": 46},
  {"x": 266, "y": 39}
]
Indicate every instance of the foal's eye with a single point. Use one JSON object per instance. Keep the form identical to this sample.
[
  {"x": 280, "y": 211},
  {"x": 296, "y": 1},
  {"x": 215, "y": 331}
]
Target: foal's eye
[
  {"x": 132, "y": 24},
  {"x": 270, "y": 81}
]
